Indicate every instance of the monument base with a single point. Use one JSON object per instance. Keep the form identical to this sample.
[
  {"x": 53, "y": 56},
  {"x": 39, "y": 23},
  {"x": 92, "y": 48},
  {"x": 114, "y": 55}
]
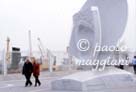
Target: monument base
[{"x": 109, "y": 80}]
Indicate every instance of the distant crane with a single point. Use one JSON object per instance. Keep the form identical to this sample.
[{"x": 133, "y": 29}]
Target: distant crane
[
  {"x": 42, "y": 50},
  {"x": 46, "y": 56}
]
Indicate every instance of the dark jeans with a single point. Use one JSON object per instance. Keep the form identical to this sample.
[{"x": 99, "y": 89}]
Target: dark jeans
[
  {"x": 37, "y": 80},
  {"x": 134, "y": 66},
  {"x": 121, "y": 67},
  {"x": 28, "y": 81}
]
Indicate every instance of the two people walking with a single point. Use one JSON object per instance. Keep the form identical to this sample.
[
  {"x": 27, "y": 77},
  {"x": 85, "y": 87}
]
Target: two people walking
[{"x": 30, "y": 68}]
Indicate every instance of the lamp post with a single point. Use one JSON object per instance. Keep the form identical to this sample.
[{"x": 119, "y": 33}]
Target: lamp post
[{"x": 30, "y": 44}]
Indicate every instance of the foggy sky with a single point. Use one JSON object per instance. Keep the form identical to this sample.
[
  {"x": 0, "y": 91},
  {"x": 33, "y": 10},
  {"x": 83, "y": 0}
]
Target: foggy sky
[{"x": 51, "y": 20}]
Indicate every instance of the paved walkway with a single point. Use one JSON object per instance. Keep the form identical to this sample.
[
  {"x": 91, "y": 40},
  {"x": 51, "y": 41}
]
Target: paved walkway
[
  {"x": 46, "y": 74},
  {"x": 15, "y": 82}
]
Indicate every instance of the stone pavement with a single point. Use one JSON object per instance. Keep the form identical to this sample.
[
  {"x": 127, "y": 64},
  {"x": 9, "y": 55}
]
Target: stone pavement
[
  {"x": 19, "y": 76},
  {"x": 15, "y": 82}
]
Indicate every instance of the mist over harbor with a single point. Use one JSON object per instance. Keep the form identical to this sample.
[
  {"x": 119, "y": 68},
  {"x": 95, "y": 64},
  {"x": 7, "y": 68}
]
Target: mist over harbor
[{"x": 46, "y": 19}]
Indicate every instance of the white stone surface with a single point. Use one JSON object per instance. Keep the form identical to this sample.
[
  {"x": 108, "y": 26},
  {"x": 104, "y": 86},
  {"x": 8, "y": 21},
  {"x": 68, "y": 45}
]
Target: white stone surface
[
  {"x": 113, "y": 18},
  {"x": 109, "y": 80}
]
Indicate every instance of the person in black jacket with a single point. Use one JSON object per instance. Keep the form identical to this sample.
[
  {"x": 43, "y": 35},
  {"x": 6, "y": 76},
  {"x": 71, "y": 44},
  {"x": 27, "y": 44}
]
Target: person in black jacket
[
  {"x": 27, "y": 72},
  {"x": 134, "y": 64}
]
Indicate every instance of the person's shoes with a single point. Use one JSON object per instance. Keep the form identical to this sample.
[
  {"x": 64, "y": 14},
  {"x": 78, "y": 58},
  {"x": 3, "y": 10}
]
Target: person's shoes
[
  {"x": 31, "y": 84},
  {"x": 26, "y": 85},
  {"x": 35, "y": 85},
  {"x": 39, "y": 84}
]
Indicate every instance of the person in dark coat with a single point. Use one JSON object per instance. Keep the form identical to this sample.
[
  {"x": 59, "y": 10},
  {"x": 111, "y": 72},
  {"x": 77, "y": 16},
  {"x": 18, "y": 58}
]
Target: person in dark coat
[
  {"x": 134, "y": 64},
  {"x": 36, "y": 72},
  {"x": 27, "y": 72}
]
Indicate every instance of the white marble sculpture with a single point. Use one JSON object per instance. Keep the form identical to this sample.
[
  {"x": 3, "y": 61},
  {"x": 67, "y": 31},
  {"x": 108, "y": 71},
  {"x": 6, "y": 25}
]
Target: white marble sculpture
[
  {"x": 113, "y": 18},
  {"x": 102, "y": 22}
]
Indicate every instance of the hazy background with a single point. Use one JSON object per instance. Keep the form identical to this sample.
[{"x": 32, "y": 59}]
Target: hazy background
[{"x": 51, "y": 20}]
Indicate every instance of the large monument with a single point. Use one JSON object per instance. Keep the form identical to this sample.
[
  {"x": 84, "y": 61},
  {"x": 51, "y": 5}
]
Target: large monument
[
  {"x": 104, "y": 30},
  {"x": 99, "y": 22}
]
